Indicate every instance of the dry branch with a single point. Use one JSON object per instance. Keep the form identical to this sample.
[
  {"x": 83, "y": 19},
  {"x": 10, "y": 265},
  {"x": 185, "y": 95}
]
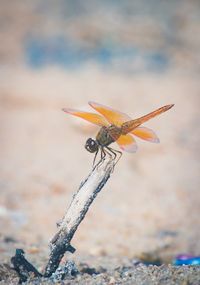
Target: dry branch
[{"x": 76, "y": 212}]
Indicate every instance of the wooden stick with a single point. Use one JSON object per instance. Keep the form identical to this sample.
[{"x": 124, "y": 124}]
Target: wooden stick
[{"x": 76, "y": 212}]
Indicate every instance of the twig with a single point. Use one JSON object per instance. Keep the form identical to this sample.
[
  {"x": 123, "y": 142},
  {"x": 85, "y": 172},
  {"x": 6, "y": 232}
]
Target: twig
[
  {"x": 76, "y": 212},
  {"x": 24, "y": 268}
]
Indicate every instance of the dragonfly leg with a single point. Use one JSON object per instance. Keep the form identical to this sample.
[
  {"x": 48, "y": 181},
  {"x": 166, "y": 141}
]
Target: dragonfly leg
[
  {"x": 103, "y": 155},
  {"x": 108, "y": 152},
  {"x": 114, "y": 152},
  {"x": 95, "y": 157}
]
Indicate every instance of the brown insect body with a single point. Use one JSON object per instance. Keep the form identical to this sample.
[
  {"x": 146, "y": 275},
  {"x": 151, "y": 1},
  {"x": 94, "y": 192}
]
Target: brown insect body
[{"x": 108, "y": 135}]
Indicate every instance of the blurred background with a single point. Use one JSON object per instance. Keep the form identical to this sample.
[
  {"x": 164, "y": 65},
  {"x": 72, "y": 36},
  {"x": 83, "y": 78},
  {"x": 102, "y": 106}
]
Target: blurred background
[{"x": 134, "y": 56}]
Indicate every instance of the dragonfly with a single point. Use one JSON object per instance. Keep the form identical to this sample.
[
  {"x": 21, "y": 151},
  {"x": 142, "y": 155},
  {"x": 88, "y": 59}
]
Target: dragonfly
[{"x": 116, "y": 126}]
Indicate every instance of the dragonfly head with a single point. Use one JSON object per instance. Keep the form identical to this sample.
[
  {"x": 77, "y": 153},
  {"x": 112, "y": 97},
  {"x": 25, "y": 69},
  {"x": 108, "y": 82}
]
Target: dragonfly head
[{"x": 91, "y": 145}]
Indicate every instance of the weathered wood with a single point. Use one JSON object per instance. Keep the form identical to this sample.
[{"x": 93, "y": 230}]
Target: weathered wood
[
  {"x": 23, "y": 267},
  {"x": 76, "y": 212}
]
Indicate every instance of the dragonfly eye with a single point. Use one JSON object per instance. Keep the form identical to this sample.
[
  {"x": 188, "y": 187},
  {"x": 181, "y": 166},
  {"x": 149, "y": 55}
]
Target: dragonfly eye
[{"x": 91, "y": 145}]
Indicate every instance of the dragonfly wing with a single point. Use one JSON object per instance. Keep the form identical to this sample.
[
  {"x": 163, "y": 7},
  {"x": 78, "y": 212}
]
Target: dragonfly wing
[
  {"x": 127, "y": 143},
  {"x": 114, "y": 117},
  {"x": 90, "y": 117},
  {"x": 146, "y": 134}
]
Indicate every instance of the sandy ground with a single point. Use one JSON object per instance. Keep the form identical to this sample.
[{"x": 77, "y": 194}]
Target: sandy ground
[
  {"x": 151, "y": 203},
  {"x": 112, "y": 271},
  {"x": 102, "y": 269},
  {"x": 149, "y": 209}
]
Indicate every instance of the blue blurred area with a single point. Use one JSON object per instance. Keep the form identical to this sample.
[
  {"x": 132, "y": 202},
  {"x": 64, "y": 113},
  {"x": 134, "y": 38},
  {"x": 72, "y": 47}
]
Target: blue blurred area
[
  {"x": 130, "y": 35},
  {"x": 186, "y": 259},
  {"x": 62, "y": 52}
]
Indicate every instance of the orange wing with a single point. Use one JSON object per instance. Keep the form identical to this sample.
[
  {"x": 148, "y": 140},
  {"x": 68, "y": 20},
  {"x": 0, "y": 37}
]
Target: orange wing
[
  {"x": 146, "y": 134},
  {"x": 129, "y": 126},
  {"x": 90, "y": 117},
  {"x": 121, "y": 119},
  {"x": 114, "y": 117},
  {"x": 127, "y": 143}
]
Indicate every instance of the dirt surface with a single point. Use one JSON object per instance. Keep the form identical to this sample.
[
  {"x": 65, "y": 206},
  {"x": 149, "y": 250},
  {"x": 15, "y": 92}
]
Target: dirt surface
[
  {"x": 107, "y": 270},
  {"x": 146, "y": 208},
  {"x": 140, "y": 275},
  {"x": 134, "y": 56}
]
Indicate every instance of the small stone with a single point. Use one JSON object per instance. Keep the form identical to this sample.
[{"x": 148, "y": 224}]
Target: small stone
[
  {"x": 33, "y": 250},
  {"x": 112, "y": 280}
]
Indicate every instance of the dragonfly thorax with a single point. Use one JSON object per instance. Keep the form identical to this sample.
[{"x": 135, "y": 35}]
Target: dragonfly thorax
[{"x": 108, "y": 135}]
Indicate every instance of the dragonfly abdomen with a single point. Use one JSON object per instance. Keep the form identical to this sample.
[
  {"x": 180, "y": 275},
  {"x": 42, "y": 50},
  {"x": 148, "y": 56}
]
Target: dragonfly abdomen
[{"x": 129, "y": 126}]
